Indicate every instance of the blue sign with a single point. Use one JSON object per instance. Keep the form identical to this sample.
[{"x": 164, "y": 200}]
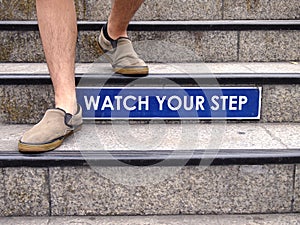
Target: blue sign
[{"x": 170, "y": 102}]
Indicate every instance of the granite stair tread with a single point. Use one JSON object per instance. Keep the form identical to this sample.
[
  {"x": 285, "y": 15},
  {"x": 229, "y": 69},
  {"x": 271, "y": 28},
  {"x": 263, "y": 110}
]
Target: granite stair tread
[
  {"x": 161, "y": 68},
  {"x": 263, "y": 219},
  {"x": 124, "y": 135},
  {"x": 148, "y": 144}
]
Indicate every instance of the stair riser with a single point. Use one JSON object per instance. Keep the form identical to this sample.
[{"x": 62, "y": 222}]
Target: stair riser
[
  {"x": 192, "y": 190},
  {"x": 27, "y": 103},
  {"x": 188, "y": 46},
  {"x": 169, "y": 10}
]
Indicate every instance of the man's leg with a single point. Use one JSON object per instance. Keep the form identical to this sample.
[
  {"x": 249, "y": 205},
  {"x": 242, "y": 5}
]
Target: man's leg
[
  {"x": 120, "y": 16},
  {"x": 58, "y": 29},
  {"x": 114, "y": 36}
]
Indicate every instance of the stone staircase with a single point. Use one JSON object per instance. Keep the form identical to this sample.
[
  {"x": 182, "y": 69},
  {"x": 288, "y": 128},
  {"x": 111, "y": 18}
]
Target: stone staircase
[{"x": 159, "y": 167}]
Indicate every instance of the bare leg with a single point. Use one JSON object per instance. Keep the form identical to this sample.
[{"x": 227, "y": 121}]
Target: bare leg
[
  {"x": 121, "y": 13},
  {"x": 58, "y": 29}
]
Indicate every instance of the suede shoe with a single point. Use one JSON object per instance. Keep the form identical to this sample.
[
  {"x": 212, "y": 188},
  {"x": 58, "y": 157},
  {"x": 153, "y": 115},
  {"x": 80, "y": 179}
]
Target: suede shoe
[
  {"x": 51, "y": 131},
  {"x": 121, "y": 55}
]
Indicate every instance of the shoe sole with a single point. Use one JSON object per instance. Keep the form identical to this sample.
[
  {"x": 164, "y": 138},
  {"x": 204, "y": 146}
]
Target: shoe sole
[
  {"x": 40, "y": 148},
  {"x": 128, "y": 71},
  {"x": 142, "y": 71}
]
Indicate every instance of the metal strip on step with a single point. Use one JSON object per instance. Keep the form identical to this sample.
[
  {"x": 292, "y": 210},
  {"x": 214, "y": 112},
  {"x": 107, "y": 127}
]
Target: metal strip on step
[
  {"x": 151, "y": 158},
  {"x": 118, "y": 80},
  {"x": 170, "y": 25}
]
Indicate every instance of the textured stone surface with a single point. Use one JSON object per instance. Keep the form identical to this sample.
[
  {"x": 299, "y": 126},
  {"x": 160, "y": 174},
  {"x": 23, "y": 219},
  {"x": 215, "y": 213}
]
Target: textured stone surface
[
  {"x": 88, "y": 49},
  {"x": 93, "y": 10},
  {"x": 281, "y": 103},
  {"x": 17, "y": 10},
  {"x": 22, "y": 46},
  {"x": 261, "y": 219},
  {"x": 25, "y": 220},
  {"x": 168, "y": 10},
  {"x": 261, "y": 9},
  {"x": 24, "y": 104},
  {"x": 167, "y": 68},
  {"x": 289, "y": 135},
  {"x": 26, "y": 10},
  {"x": 208, "y": 46},
  {"x": 279, "y": 219},
  {"x": 175, "y": 137},
  {"x": 125, "y": 136},
  {"x": 192, "y": 190},
  {"x": 100, "y": 196},
  {"x": 270, "y": 46},
  {"x": 296, "y": 205},
  {"x": 180, "y": 10},
  {"x": 24, "y": 192},
  {"x": 17, "y": 46},
  {"x": 11, "y": 135},
  {"x": 165, "y": 47},
  {"x": 156, "y": 10},
  {"x": 183, "y": 46},
  {"x": 271, "y": 67},
  {"x": 233, "y": 189}
]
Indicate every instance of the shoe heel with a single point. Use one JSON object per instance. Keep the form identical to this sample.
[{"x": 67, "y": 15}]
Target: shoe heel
[
  {"x": 78, "y": 128},
  {"x": 102, "y": 52}
]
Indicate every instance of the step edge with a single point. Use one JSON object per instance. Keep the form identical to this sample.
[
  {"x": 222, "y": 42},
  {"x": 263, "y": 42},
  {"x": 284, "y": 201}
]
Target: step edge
[
  {"x": 170, "y": 22},
  {"x": 171, "y": 25},
  {"x": 109, "y": 79},
  {"x": 163, "y": 158}
]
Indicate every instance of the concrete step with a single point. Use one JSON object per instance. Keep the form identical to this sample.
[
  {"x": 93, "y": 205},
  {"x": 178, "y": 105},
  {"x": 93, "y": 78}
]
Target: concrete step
[
  {"x": 263, "y": 219},
  {"x": 169, "y": 10},
  {"x": 226, "y": 143},
  {"x": 227, "y": 41},
  {"x": 26, "y": 90},
  {"x": 261, "y": 177}
]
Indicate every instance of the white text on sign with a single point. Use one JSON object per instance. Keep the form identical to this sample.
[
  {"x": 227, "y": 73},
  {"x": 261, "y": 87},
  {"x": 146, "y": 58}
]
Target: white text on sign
[{"x": 173, "y": 103}]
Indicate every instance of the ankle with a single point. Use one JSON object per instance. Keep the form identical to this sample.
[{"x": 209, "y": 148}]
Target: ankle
[
  {"x": 113, "y": 34},
  {"x": 70, "y": 108}
]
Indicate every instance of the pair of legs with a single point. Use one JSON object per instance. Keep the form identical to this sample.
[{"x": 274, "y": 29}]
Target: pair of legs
[{"x": 58, "y": 30}]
